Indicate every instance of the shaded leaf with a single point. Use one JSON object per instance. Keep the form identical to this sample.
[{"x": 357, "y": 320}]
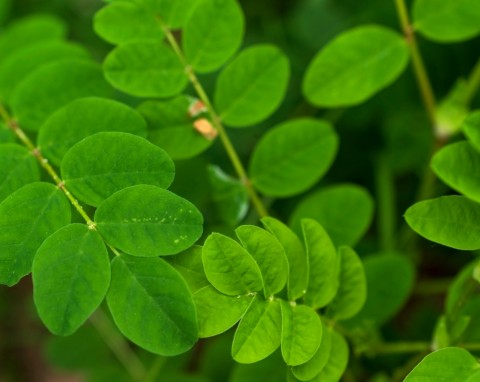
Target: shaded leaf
[
  {"x": 471, "y": 128},
  {"x": 189, "y": 265},
  {"x": 337, "y": 362}
]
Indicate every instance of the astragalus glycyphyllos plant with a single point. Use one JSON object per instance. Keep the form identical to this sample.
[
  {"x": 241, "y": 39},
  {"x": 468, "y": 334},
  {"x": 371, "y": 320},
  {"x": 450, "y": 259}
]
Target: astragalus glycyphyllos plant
[{"x": 260, "y": 263}]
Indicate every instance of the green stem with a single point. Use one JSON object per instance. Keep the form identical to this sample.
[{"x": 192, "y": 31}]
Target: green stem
[
  {"x": 386, "y": 199},
  {"x": 431, "y": 287},
  {"x": 152, "y": 374},
  {"x": 118, "y": 346},
  {"x": 401, "y": 347},
  {"x": 473, "y": 84},
  {"x": 217, "y": 123},
  {"x": 469, "y": 289}
]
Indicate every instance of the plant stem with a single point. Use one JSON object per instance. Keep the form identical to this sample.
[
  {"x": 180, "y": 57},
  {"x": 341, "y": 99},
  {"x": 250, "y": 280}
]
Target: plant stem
[
  {"x": 386, "y": 200},
  {"x": 473, "y": 84},
  {"x": 401, "y": 347},
  {"x": 431, "y": 287},
  {"x": 118, "y": 345},
  {"x": 152, "y": 374},
  {"x": 217, "y": 123}
]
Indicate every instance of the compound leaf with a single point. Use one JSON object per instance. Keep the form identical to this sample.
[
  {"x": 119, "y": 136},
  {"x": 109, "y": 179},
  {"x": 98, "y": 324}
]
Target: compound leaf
[
  {"x": 145, "y": 68},
  {"x": 127, "y": 160},
  {"x": 337, "y": 362},
  {"x": 252, "y": 86},
  {"x": 451, "y": 220},
  {"x": 229, "y": 267},
  {"x": 167, "y": 324},
  {"x": 356, "y": 65},
  {"x": 293, "y": 156},
  {"x": 212, "y": 34},
  {"x": 82, "y": 118},
  {"x": 258, "y": 334},
  {"x": 189, "y": 264},
  {"x": 71, "y": 276},
  {"x": 145, "y": 220},
  {"x": 27, "y": 218},
  {"x": 269, "y": 254}
]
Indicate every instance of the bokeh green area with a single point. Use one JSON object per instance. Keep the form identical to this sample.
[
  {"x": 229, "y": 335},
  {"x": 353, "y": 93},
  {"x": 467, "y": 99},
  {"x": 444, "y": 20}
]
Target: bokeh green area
[{"x": 385, "y": 143}]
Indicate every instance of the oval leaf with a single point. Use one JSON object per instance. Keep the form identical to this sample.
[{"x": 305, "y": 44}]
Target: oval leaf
[
  {"x": 92, "y": 181},
  {"x": 82, "y": 118},
  {"x": 148, "y": 221},
  {"x": 212, "y": 34},
  {"x": 293, "y": 156},
  {"x": 337, "y": 362},
  {"x": 252, "y": 87},
  {"x": 167, "y": 325},
  {"x": 27, "y": 218},
  {"x": 471, "y": 128},
  {"x": 229, "y": 267},
  {"x": 145, "y": 68},
  {"x": 356, "y": 65},
  {"x": 189, "y": 265},
  {"x": 71, "y": 276},
  {"x": 452, "y": 220}
]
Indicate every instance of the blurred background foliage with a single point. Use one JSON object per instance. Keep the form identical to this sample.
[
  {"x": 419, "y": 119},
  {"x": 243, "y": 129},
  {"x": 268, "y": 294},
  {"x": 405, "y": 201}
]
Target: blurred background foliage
[{"x": 390, "y": 128}]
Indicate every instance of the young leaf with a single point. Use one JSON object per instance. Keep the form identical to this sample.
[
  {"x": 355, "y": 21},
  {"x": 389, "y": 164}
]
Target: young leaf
[
  {"x": 252, "y": 86},
  {"x": 229, "y": 195},
  {"x": 127, "y": 160},
  {"x": 314, "y": 366},
  {"x": 447, "y": 20},
  {"x": 148, "y": 221},
  {"x": 356, "y": 65},
  {"x": 458, "y": 165},
  {"x": 151, "y": 305},
  {"x": 451, "y": 220},
  {"x": 30, "y": 30},
  {"x": 28, "y": 217},
  {"x": 54, "y": 85},
  {"x": 189, "y": 265},
  {"x": 344, "y": 210},
  {"x": 301, "y": 333},
  {"x": 258, "y": 334},
  {"x": 212, "y": 34},
  {"x": 216, "y": 312},
  {"x": 268, "y": 254},
  {"x": 145, "y": 68},
  {"x": 293, "y": 156},
  {"x": 171, "y": 127},
  {"x": 352, "y": 290},
  {"x": 296, "y": 255},
  {"x": 448, "y": 364},
  {"x": 337, "y": 362},
  {"x": 323, "y": 265},
  {"x": 82, "y": 118},
  {"x": 471, "y": 128},
  {"x": 229, "y": 267},
  {"x": 18, "y": 167},
  {"x": 71, "y": 276},
  {"x": 20, "y": 64}
]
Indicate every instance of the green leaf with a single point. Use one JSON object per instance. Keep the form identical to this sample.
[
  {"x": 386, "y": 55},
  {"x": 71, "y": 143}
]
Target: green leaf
[
  {"x": 352, "y": 290},
  {"x": 54, "y": 85},
  {"x": 172, "y": 12},
  {"x": 6, "y": 134},
  {"x": 337, "y": 362},
  {"x": 92, "y": 181},
  {"x": 148, "y": 221},
  {"x": 448, "y": 364},
  {"x": 252, "y": 86},
  {"x": 293, "y": 156},
  {"x": 471, "y": 128},
  {"x": 269, "y": 254},
  {"x": 5, "y": 8},
  {"x": 301, "y": 333},
  {"x": 451, "y": 220},
  {"x": 216, "y": 312},
  {"x": 71, "y": 276},
  {"x": 314, "y": 366},
  {"x": 458, "y": 165},
  {"x": 27, "y": 218},
  {"x": 30, "y": 30},
  {"x": 258, "y": 334},
  {"x": 18, "y": 167},
  {"x": 355, "y": 66},
  {"x": 323, "y": 264},
  {"x": 189, "y": 265},
  {"x": 229, "y": 196},
  {"x": 229, "y": 267},
  {"x": 145, "y": 68},
  {"x": 171, "y": 127},
  {"x": 390, "y": 281},
  {"x": 296, "y": 255},
  {"x": 151, "y": 305},
  {"x": 212, "y": 34},
  {"x": 344, "y": 210},
  {"x": 82, "y": 118},
  {"x": 447, "y": 20},
  {"x": 20, "y": 64}
]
